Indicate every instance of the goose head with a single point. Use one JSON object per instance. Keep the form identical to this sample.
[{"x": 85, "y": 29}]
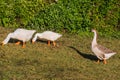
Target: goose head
[
  {"x": 93, "y": 30},
  {"x": 37, "y": 35}
]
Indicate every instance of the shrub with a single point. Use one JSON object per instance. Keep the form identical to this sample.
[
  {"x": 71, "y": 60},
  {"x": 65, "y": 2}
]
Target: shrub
[
  {"x": 18, "y": 12},
  {"x": 79, "y": 15},
  {"x": 72, "y": 16}
]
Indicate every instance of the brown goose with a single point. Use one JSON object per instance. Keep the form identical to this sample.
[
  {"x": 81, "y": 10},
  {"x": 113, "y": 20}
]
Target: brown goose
[{"x": 100, "y": 51}]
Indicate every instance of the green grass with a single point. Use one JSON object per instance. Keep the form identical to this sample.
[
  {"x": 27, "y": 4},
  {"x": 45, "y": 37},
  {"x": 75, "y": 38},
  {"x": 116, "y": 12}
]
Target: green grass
[{"x": 71, "y": 60}]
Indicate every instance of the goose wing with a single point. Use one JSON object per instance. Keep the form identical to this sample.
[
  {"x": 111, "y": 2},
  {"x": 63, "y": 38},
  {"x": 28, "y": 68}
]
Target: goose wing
[{"x": 104, "y": 49}]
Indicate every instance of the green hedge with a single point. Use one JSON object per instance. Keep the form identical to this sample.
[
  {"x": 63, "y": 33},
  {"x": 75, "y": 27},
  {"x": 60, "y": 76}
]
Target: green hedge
[
  {"x": 69, "y": 15},
  {"x": 18, "y": 12}
]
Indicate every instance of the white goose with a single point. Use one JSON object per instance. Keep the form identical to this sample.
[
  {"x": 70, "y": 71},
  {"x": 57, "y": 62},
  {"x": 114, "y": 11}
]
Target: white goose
[
  {"x": 101, "y": 52},
  {"x": 48, "y": 35},
  {"x": 20, "y": 34}
]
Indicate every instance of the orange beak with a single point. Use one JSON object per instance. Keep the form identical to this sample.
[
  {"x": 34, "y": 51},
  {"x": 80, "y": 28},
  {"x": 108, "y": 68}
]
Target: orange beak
[{"x": 2, "y": 44}]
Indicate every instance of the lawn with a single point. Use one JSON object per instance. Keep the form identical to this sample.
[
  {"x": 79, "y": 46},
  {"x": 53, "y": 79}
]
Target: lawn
[{"x": 72, "y": 59}]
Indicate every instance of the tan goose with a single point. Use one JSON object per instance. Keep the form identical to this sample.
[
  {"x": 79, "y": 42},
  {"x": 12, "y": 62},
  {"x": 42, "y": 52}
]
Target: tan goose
[
  {"x": 100, "y": 51},
  {"x": 48, "y": 35},
  {"x": 20, "y": 34}
]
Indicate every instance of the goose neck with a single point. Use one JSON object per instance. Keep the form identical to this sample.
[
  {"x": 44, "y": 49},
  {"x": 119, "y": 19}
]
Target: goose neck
[{"x": 94, "y": 42}]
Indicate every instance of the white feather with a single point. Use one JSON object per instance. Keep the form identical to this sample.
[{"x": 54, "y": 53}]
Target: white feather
[
  {"x": 20, "y": 34},
  {"x": 48, "y": 35}
]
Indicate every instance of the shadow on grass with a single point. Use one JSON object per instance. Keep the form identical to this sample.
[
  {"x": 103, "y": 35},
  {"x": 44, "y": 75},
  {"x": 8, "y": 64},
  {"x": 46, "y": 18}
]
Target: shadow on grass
[
  {"x": 84, "y": 55},
  {"x": 16, "y": 40},
  {"x": 13, "y": 41},
  {"x": 41, "y": 41},
  {"x": 46, "y": 42}
]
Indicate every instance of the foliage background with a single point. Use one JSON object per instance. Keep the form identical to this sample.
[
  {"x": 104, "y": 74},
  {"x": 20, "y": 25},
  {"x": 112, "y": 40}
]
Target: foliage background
[{"x": 73, "y": 16}]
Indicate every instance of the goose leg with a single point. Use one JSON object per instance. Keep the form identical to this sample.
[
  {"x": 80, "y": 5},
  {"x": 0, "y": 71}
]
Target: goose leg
[
  {"x": 104, "y": 61},
  {"x": 48, "y": 43},
  {"x": 54, "y": 43},
  {"x": 23, "y": 46},
  {"x": 33, "y": 42},
  {"x": 17, "y": 43},
  {"x": 98, "y": 61}
]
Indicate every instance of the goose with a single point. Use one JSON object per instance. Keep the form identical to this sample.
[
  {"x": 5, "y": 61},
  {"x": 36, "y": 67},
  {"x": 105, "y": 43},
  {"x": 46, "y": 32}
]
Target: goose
[
  {"x": 100, "y": 51},
  {"x": 19, "y": 34},
  {"x": 48, "y": 35}
]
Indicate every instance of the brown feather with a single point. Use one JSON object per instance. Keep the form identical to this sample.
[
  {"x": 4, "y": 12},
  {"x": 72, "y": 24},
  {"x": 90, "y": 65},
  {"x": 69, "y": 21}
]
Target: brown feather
[{"x": 104, "y": 49}]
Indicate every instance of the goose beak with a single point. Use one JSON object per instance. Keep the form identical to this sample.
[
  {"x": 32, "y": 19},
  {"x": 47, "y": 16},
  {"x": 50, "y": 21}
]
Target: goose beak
[
  {"x": 2, "y": 44},
  {"x": 92, "y": 30}
]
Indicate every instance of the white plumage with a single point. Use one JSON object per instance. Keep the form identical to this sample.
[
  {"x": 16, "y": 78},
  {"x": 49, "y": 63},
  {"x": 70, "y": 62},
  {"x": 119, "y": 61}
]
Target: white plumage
[
  {"x": 101, "y": 52},
  {"x": 48, "y": 35},
  {"x": 20, "y": 34}
]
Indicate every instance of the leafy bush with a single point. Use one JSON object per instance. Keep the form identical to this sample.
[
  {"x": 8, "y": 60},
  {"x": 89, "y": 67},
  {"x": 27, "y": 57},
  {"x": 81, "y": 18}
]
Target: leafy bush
[
  {"x": 72, "y": 16},
  {"x": 18, "y": 12},
  {"x": 79, "y": 15}
]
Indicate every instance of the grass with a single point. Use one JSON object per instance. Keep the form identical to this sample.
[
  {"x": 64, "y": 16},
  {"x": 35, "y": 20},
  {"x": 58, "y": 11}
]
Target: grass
[{"x": 71, "y": 60}]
